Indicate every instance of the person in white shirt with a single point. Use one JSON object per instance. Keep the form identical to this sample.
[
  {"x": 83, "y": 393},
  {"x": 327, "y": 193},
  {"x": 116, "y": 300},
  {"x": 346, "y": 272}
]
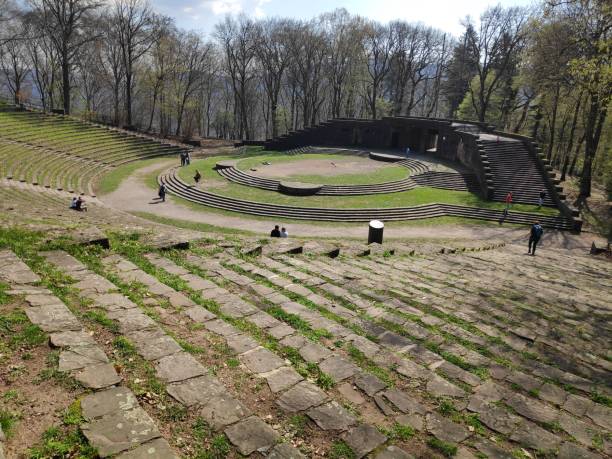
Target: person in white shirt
[{"x": 284, "y": 232}]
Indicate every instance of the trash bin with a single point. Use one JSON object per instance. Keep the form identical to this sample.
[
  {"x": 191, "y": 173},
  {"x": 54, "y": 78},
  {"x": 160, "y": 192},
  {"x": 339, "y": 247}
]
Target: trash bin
[{"x": 376, "y": 232}]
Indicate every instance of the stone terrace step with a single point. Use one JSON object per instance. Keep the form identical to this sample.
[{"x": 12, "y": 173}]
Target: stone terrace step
[
  {"x": 111, "y": 405},
  {"x": 176, "y": 186},
  {"x": 187, "y": 380}
]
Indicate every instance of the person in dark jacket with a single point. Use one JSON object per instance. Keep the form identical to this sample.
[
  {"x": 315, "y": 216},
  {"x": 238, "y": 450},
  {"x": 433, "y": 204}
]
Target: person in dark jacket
[
  {"x": 534, "y": 237},
  {"x": 275, "y": 232},
  {"x": 162, "y": 192}
]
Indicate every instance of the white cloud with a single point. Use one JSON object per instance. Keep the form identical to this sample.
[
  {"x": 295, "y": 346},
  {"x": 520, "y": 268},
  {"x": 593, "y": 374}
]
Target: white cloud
[
  {"x": 220, "y": 7},
  {"x": 259, "y": 8}
]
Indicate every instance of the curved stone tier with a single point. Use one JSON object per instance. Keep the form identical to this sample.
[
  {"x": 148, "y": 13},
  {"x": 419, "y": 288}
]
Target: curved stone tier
[
  {"x": 421, "y": 176},
  {"x": 227, "y": 164},
  {"x": 386, "y": 157},
  {"x": 299, "y": 189},
  {"x": 179, "y": 188}
]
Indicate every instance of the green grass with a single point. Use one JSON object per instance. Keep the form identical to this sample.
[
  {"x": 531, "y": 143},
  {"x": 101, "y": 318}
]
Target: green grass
[
  {"x": 60, "y": 442},
  {"x": 19, "y": 332},
  {"x": 444, "y": 448},
  {"x": 340, "y": 450},
  {"x": 380, "y": 175},
  {"x": 111, "y": 181}
]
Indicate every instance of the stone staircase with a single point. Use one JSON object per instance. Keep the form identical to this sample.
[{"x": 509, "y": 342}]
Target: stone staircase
[{"x": 514, "y": 170}]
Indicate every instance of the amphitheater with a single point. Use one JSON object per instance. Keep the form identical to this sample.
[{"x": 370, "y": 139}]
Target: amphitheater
[{"x": 148, "y": 329}]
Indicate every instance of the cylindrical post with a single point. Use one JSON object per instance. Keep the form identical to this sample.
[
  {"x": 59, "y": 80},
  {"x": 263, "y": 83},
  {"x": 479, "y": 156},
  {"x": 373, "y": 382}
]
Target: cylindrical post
[{"x": 376, "y": 232}]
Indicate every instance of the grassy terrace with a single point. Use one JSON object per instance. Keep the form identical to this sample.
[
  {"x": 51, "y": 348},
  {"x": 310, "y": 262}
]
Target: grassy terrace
[
  {"x": 63, "y": 153},
  {"x": 384, "y": 174},
  {"x": 418, "y": 196}
]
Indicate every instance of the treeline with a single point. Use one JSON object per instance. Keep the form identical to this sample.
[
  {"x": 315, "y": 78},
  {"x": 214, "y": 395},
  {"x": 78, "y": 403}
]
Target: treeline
[{"x": 544, "y": 73}]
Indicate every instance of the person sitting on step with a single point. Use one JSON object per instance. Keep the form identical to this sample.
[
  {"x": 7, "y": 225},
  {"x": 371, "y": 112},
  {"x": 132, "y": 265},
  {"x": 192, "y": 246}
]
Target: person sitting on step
[
  {"x": 73, "y": 203},
  {"x": 275, "y": 232},
  {"x": 80, "y": 205},
  {"x": 284, "y": 232}
]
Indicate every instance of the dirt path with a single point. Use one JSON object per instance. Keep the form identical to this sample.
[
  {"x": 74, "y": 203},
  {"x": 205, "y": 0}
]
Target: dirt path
[{"x": 134, "y": 196}]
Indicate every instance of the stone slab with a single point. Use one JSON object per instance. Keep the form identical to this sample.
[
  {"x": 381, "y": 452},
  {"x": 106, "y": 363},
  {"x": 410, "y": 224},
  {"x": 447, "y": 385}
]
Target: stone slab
[
  {"x": 108, "y": 401},
  {"x": 404, "y": 402},
  {"x": 223, "y": 410},
  {"x": 393, "y": 452},
  {"x": 154, "y": 344},
  {"x": 199, "y": 314},
  {"x": 446, "y": 430},
  {"x": 71, "y": 338},
  {"x": 369, "y": 383},
  {"x": 98, "y": 376},
  {"x": 221, "y": 328},
  {"x": 241, "y": 343},
  {"x": 350, "y": 394},
  {"x": 364, "y": 439},
  {"x": 78, "y": 357},
  {"x": 196, "y": 391},
  {"x": 120, "y": 431},
  {"x": 131, "y": 320},
  {"x": 338, "y": 368},
  {"x": 300, "y": 397},
  {"x": 280, "y": 331},
  {"x": 313, "y": 352},
  {"x": 261, "y": 360},
  {"x": 156, "y": 449},
  {"x": 532, "y": 409},
  {"x": 282, "y": 378},
  {"x": 178, "y": 367},
  {"x": 53, "y": 318},
  {"x": 113, "y": 302},
  {"x": 331, "y": 416},
  {"x": 285, "y": 451},
  {"x": 95, "y": 284},
  {"x": 416, "y": 421},
  {"x": 440, "y": 387},
  {"x": 252, "y": 435},
  {"x": 531, "y": 435}
]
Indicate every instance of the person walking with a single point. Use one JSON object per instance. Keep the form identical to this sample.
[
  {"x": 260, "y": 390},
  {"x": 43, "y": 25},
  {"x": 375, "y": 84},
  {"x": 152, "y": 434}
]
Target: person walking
[
  {"x": 197, "y": 177},
  {"x": 182, "y": 155},
  {"x": 541, "y": 199},
  {"x": 162, "y": 192},
  {"x": 188, "y": 158},
  {"x": 534, "y": 237},
  {"x": 508, "y": 203}
]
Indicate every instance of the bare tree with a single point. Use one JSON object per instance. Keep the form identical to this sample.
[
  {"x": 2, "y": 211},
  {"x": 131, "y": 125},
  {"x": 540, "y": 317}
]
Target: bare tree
[
  {"x": 379, "y": 44},
  {"x": 13, "y": 59},
  {"x": 499, "y": 37},
  {"x": 65, "y": 22},
  {"x": 237, "y": 38},
  {"x": 137, "y": 27},
  {"x": 193, "y": 59},
  {"x": 273, "y": 54}
]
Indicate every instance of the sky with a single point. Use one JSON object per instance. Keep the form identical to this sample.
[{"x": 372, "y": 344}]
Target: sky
[{"x": 202, "y": 15}]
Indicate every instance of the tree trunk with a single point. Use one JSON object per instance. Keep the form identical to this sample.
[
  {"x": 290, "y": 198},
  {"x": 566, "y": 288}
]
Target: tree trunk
[
  {"x": 575, "y": 158},
  {"x": 595, "y": 121},
  {"x": 553, "y": 122},
  {"x": 128, "y": 97},
  {"x": 66, "y": 81}
]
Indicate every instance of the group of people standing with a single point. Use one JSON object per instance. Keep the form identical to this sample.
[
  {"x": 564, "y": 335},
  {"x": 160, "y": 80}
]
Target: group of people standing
[
  {"x": 185, "y": 158},
  {"x": 279, "y": 232}
]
